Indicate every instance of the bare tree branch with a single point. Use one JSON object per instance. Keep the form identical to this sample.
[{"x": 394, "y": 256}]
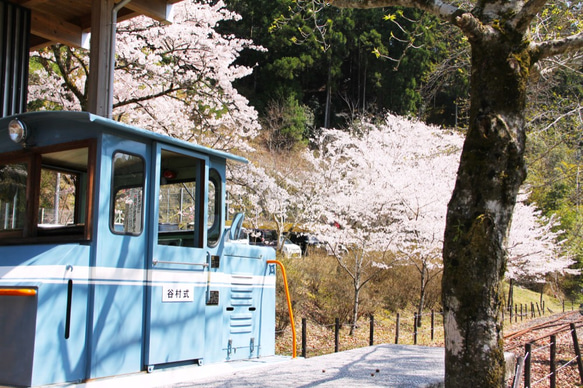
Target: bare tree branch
[
  {"x": 557, "y": 46},
  {"x": 438, "y": 8},
  {"x": 522, "y": 20}
]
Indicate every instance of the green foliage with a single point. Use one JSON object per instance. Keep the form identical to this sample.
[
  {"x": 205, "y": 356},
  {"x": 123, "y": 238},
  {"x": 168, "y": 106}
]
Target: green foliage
[
  {"x": 367, "y": 60},
  {"x": 286, "y": 124},
  {"x": 554, "y": 156}
]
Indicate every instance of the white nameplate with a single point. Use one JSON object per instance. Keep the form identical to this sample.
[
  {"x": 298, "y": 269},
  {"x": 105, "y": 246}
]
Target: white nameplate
[{"x": 177, "y": 293}]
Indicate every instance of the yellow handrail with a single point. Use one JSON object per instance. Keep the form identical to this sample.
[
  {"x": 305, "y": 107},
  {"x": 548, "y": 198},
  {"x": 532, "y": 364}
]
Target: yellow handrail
[{"x": 289, "y": 306}]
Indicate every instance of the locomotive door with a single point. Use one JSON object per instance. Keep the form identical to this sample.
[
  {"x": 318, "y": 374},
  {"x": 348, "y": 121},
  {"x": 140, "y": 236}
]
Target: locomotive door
[
  {"x": 117, "y": 301},
  {"x": 178, "y": 261}
]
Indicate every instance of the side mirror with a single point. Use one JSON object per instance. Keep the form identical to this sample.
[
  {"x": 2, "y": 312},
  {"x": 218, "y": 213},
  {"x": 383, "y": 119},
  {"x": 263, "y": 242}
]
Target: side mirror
[{"x": 236, "y": 226}]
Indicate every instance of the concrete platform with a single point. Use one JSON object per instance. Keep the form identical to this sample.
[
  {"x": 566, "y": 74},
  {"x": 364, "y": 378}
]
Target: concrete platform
[{"x": 402, "y": 366}]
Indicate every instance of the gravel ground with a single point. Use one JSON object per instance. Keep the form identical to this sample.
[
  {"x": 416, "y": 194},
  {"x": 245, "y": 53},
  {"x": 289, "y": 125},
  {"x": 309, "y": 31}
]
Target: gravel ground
[{"x": 399, "y": 366}]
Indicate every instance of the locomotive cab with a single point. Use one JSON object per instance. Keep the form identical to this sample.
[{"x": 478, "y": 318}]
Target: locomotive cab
[{"x": 115, "y": 256}]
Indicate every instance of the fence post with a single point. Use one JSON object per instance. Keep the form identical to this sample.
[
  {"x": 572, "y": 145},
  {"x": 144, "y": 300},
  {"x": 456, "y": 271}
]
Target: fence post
[
  {"x": 577, "y": 350},
  {"x": 304, "y": 333},
  {"x": 415, "y": 329},
  {"x": 371, "y": 339},
  {"x": 532, "y": 310},
  {"x": 553, "y": 376},
  {"x": 397, "y": 329},
  {"x": 527, "y": 357},
  {"x": 538, "y": 309},
  {"x": 336, "y": 334},
  {"x": 515, "y": 313},
  {"x": 518, "y": 372},
  {"x": 521, "y": 312}
]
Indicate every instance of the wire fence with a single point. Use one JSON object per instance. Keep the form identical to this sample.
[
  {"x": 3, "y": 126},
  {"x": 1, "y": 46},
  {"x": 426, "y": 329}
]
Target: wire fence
[
  {"x": 532, "y": 352},
  {"x": 322, "y": 338}
]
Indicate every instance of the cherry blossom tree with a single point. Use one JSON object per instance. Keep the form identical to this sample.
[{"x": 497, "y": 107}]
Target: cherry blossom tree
[
  {"x": 505, "y": 52},
  {"x": 534, "y": 245},
  {"x": 384, "y": 193},
  {"x": 260, "y": 194},
  {"x": 175, "y": 79},
  {"x": 287, "y": 194}
]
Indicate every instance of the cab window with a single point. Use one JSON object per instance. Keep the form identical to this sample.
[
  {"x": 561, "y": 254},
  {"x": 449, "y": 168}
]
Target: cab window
[
  {"x": 45, "y": 194},
  {"x": 128, "y": 194},
  {"x": 179, "y": 206},
  {"x": 214, "y": 210},
  {"x": 13, "y": 185}
]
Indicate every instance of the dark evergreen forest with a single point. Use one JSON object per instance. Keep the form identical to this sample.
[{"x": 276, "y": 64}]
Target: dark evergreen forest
[{"x": 340, "y": 63}]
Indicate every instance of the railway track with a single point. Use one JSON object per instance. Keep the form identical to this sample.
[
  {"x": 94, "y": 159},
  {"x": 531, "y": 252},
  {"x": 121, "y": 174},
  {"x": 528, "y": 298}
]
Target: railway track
[
  {"x": 538, "y": 332},
  {"x": 543, "y": 327}
]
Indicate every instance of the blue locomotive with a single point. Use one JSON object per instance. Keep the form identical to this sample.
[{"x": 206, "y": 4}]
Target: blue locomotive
[{"x": 115, "y": 257}]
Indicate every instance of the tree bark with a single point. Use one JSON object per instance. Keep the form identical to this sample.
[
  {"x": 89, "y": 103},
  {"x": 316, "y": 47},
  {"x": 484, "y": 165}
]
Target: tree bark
[
  {"x": 491, "y": 171},
  {"x": 424, "y": 282},
  {"x": 355, "y": 306}
]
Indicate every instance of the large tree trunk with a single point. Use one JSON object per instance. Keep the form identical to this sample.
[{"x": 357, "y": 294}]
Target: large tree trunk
[{"x": 490, "y": 174}]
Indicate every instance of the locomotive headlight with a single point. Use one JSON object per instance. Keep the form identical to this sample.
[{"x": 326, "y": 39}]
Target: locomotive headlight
[{"x": 17, "y": 131}]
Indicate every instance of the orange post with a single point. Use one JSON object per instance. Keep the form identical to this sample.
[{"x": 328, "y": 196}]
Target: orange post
[{"x": 289, "y": 306}]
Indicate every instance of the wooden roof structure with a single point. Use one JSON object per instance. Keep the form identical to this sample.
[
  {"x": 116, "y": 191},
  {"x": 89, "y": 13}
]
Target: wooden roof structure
[
  {"x": 77, "y": 23},
  {"x": 69, "y": 21}
]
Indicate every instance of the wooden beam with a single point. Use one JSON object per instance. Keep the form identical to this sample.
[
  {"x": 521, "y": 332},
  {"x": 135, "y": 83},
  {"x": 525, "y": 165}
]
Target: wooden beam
[
  {"x": 156, "y": 9},
  {"x": 100, "y": 94},
  {"x": 32, "y": 3},
  {"x": 54, "y": 29}
]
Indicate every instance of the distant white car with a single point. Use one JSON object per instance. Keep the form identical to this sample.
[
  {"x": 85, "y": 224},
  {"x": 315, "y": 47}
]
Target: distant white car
[{"x": 291, "y": 250}]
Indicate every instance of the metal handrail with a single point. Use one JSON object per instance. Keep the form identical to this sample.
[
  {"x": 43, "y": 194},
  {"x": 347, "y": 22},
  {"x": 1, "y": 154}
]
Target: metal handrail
[
  {"x": 289, "y": 305},
  {"x": 155, "y": 262}
]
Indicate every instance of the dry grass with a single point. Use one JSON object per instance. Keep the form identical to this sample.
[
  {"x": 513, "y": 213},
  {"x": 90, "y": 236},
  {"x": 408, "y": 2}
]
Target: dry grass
[{"x": 320, "y": 339}]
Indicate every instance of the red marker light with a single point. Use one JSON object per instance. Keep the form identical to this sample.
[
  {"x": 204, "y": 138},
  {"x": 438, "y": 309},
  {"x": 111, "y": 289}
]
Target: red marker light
[{"x": 169, "y": 174}]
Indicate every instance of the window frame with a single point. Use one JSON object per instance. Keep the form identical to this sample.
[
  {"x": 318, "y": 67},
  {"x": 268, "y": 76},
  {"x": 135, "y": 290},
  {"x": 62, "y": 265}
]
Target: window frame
[
  {"x": 113, "y": 193},
  {"x": 200, "y": 181},
  {"x": 17, "y": 158},
  {"x": 217, "y": 181},
  {"x": 33, "y": 156}
]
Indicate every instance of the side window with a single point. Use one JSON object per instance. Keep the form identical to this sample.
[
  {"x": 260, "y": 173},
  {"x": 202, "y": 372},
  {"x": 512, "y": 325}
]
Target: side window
[
  {"x": 59, "y": 192},
  {"x": 128, "y": 194},
  {"x": 45, "y": 193},
  {"x": 13, "y": 181},
  {"x": 63, "y": 192},
  {"x": 214, "y": 210},
  {"x": 179, "y": 212}
]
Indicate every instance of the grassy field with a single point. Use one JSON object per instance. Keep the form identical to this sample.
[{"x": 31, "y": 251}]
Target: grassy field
[{"x": 526, "y": 297}]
